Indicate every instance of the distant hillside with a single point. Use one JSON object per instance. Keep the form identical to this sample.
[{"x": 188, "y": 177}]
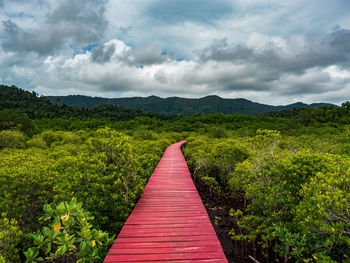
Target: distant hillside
[
  {"x": 181, "y": 106},
  {"x": 13, "y": 98}
]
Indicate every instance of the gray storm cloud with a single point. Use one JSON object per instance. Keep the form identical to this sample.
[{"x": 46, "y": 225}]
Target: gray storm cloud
[
  {"x": 103, "y": 54},
  {"x": 79, "y": 21},
  {"x": 144, "y": 55},
  {"x": 322, "y": 51},
  {"x": 105, "y": 47},
  {"x": 147, "y": 55},
  {"x": 272, "y": 62}
]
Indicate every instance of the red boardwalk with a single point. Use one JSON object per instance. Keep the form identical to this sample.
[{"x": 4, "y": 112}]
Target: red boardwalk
[{"x": 169, "y": 223}]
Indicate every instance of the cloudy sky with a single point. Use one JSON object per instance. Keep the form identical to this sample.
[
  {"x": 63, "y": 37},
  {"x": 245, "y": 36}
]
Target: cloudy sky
[{"x": 271, "y": 51}]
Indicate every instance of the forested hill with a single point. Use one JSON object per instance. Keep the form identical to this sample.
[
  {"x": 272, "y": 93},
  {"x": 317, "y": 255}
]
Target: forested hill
[
  {"x": 37, "y": 107},
  {"x": 180, "y": 106}
]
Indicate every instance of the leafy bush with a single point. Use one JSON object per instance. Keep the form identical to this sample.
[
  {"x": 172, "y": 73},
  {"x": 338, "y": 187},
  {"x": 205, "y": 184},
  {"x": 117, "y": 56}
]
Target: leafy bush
[
  {"x": 12, "y": 139},
  {"x": 26, "y": 183},
  {"x": 292, "y": 191},
  {"x": 15, "y": 119},
  {"x": 104, "y": 175},
  {"x": 217, "y": 132},
  {"x": 104, "y": 168},
  {"x": 213, "y": 161},
  {"x": 287, "y": 205},
  {"x": 295, "y": 195},
  {"x": 323, "y": 213},
  {"x": 68, "y": 236},
  {"x": 224, "y": 157},
  {"x": 10, "y": 236}
]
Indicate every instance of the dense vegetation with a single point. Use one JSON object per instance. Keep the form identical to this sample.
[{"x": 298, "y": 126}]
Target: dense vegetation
[
  {"x": 293, "y": 192},
  {"x": 105, "y": 169},
  {"x": 67, "y": 184},
  {"x": 180, "y": 106},
  {"x": 40, "y": 107}
]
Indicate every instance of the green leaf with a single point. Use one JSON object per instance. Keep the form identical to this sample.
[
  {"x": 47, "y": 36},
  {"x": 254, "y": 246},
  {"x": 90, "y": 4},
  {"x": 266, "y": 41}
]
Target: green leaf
[
  {"x": 47, "y": 209},
  {"x": 61, "y": 250},
  {"x": 73, "y": 203},
  {"x": 46, "y": 231},
  {"x": 48, "y": 248},
  {"x": 83, "y": 246},
  {"x": 29, "y": 254},
  {"x": 60, "y": 210},
  {"x": 95, "y": 252}
]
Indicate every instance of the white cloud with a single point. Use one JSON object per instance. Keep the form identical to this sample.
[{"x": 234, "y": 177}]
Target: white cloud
[
  {"x": 269, "y": 51},
  {"x": 337, "y": 73},
  {"x": 189, "y": 78}
]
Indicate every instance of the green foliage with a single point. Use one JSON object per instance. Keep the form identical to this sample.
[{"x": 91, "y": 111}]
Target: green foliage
[
  {"x": 266, "y": 138},
  {"x": 213, "y": 161},
  {"x": 14, "y": 119},
  {"x": 295, "y": 195},
  {"x": 10, "y": 237},
  {"x": 104, "y": 175},
  {"x": 324, "y": 211},
  {"x": 217, "y": 132},
  {"x": 13, "y": 99},
  {"x": 144, "y": 135},
  {"x": 12, "y": 139},
  {"x": 105, "y": 168},
  {"x": 292, "y": 184},
  {"x": 181, "y": 106},
  {"x": 283, "y": 191},
  {"x": 26, "y": 183},
  {"x": 225, "y": 155},
  {"x": 212, "y": 185},
  {"x": 68, "y": 236}
]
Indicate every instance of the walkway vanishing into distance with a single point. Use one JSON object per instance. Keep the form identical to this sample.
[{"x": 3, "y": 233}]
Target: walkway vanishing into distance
[{"x": 169, "y": 223}]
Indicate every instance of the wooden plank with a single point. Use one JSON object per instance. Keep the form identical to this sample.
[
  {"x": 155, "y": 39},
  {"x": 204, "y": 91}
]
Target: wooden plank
[
  {"x": 168, "y": 256},
  {"x": 165, "y": 229},
  {"x": 173, "y": 226},
  {"x": 166, "y": 233},
  {"x": 166, "y": 239},
  {"x": 165, "y": 244},
  {"x": 143, "y": 251},
  {"x": 169, "y": 223},
  {"x": 184, "y": 261},
  {"x": 169, "y": 220}
]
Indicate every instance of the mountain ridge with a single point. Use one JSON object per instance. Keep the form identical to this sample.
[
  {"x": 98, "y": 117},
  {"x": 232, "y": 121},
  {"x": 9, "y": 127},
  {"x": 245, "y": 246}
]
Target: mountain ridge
[
  {"x": 182, "y": 106},
  {"x": 35, "y": 107}
]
